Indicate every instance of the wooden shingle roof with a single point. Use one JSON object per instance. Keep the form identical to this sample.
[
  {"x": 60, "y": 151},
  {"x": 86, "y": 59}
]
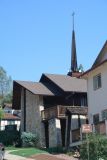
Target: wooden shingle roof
[
  {"x": 67, "y": 83},
  {"x": 35, "y": 87}
]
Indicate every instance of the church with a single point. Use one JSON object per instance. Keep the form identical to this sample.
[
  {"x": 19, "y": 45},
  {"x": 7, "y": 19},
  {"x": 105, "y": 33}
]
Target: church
[{"x": 55, "y": 107}]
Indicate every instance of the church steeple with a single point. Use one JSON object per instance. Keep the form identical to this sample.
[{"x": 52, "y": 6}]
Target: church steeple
[{"x": 74, "y": 66}]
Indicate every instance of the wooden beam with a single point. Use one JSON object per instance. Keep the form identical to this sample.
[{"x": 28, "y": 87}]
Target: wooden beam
[
  {"x": 68, "y": 130},
  {"x": 79, "y": 121}
]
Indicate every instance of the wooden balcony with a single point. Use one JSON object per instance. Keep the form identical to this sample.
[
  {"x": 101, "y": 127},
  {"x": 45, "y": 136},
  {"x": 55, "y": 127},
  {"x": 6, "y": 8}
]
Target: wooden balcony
[
  {"x": 53, "y": 112},
  {"x": 59, "y": 111}
]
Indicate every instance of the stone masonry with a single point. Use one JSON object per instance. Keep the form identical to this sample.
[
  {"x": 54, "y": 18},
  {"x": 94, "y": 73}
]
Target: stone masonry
[
  {"x": 54, "y": 133},
  {"x": 34, "y": 103}
]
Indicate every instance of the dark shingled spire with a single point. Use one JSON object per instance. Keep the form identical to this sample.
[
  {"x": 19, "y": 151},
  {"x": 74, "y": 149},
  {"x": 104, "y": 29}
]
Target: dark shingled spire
[{"x": 74, "y": 66}]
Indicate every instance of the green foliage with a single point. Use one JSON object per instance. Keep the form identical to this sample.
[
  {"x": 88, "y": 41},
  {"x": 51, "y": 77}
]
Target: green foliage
[
  {"x": 9, "y": 137},
  {"x": 5, "y": 82},
  {"x": 27, "y": 152},
  {"x": 29, "y": 139},
  {"x": 80, "y": 68},
  {"x": 7, "y": 99},
  {"x": 5, "y": 86},
  {"x": 1, "y": 113},
  {"x": 97, "y": 148}
]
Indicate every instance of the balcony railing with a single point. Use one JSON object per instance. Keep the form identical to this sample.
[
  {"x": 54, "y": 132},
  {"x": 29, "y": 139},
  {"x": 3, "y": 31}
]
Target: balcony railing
[
  {"x": 52, "y": 112},
  {"x": 58, "y": 111}
]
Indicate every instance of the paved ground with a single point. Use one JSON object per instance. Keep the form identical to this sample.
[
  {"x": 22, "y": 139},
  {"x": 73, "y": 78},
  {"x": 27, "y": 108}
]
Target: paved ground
[
  {"x": 52, "y": 157},
  {"x": 39, "y": 157},
  {"x": 14, "y": 157}
]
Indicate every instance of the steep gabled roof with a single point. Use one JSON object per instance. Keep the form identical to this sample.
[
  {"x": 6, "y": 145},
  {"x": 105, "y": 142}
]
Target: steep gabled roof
[
  {"x": 100, "y": 60},
  {"x": 67, "y": 83},
  {"x": 35, "y": 87},
  {"x": 53, "y": 85},
  {"x": 102, "y": 56}
]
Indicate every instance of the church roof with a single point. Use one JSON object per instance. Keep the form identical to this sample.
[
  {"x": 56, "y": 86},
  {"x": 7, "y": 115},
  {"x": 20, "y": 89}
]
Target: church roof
[
  {"x": 35, "y": 87},
  {"x": 67, "y": 83}
]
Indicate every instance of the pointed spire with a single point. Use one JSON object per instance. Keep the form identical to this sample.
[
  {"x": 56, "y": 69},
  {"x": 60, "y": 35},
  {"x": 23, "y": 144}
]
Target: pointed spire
[{"x": 74, "y": 66}]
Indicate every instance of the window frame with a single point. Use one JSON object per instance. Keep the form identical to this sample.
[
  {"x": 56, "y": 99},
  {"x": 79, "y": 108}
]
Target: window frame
[
  {"x": 97, "y": 81},
  {"x": 105, "y": 114},
  {"x": 95, "y": 116}
]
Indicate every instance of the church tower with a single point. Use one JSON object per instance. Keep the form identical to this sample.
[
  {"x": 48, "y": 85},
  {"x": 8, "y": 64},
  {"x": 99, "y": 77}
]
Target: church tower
[{"x": 74, "y": 66}]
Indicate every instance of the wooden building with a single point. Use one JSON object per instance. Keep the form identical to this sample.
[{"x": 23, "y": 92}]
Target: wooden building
[{"x": 48, "y": 105}]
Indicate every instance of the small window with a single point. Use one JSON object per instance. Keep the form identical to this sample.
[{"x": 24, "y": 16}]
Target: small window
[
  {"x": 83, "y": 101},
  {"x": 95, "y": 118},
  {"x": 104, "y": 114},
  {"x": 97, "y": 81}
]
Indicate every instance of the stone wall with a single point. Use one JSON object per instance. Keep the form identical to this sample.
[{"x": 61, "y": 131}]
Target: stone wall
[
  {"x": 54, "y": 133},
  {"x": 34, "y": 103},
  {"x": 22, "y": 110}
]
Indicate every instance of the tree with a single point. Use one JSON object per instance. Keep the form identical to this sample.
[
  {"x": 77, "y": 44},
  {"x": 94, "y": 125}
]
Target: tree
[
  {"x": 1, "y": 115},
  {"x": 6, "y": 99},
  {"x": 80, "y": 68},
  {"x": 97, "y": 147},
  {"x": 5, "y": 82},
  {"x": 5, "y": 87}
]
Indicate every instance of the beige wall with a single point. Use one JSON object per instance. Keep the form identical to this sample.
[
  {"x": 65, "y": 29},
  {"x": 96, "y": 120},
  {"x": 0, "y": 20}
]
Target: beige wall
[{"x": 97, "y": 99}]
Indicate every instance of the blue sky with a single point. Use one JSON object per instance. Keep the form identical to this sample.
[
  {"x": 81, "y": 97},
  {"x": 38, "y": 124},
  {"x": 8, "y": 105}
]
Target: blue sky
[{"x": 35, "y": 35}]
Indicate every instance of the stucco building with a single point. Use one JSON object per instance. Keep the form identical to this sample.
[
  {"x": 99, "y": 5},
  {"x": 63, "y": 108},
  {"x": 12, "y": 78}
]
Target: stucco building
[{"x": 96, "y": 78}]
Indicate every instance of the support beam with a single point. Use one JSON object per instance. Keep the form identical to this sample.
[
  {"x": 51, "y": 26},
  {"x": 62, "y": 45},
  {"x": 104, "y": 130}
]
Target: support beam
[
  {"x": 79, "y": 121},
  {"x": 68, "y": 130}
]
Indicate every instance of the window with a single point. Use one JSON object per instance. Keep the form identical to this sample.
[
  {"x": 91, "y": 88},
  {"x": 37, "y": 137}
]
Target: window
[
  {"x": 104, "y": 114},
  {"x": 95, "y": 118},
  {"x": 97, "y": 81},
  {"x": 83, "y": 101}
]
